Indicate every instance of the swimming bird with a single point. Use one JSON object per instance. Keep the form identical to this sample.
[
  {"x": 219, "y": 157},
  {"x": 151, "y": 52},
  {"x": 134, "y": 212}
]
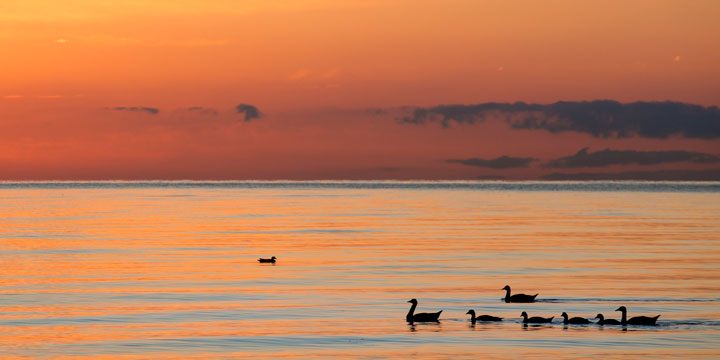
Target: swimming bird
[
  {"x": 474, "y": 318},
  {"x": 535, "y": 319},
  {"x": 270, "y": 260},
  {"x": 604, "y": 321},
  {"x": 421, "y": 317},
  {"x": 637, "y": 320},
  {"x": 518, "y": 298},
  {"x": 575, "y": 320}
]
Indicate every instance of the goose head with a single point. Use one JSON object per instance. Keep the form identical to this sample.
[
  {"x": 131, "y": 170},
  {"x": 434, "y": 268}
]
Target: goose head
[
  {"x": 273, "y": 258},
  {"x": 471, "y": 312},
  {"x": 622, "y": 308},
  {"x": 507, "y": 287},
  {"x": 524, "y": 314},
  {"x": 564, "y": 314},
  {"x": 413, "y": 301},
  {"x": 600, "y": 316}
]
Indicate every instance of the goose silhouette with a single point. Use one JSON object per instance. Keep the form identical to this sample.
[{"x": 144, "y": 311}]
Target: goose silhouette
[
  {"x": 474, "y": 318},
  {"x": 603, "y": 321},
  {"x": 575, "y": 320},
  {"x": 270, "y": 260},
  {"x": 535, "y": 319},
  {"x": 637, "y": 320},
  {"x": 421, "y": 317},
  {"x": 518, "y": 298}
]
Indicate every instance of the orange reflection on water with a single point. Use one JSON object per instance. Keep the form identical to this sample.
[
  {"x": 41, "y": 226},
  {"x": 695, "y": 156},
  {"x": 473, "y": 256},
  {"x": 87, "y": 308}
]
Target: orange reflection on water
[{"x": 172, "y": 272}]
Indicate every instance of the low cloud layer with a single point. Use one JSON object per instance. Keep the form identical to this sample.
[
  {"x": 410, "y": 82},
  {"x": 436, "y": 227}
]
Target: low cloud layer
[
  {"x": 672, "y": 175},
  {"x": 503, "y": 162},
  {"x": 490, "y": 177},
  {"x": 607, "y": 157},
  {"x": 250, "y": 111},
  {"x": 599, "y": 118},
  {"x": 150, "y": 110}
]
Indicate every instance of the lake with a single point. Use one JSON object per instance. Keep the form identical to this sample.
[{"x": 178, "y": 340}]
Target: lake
[{"x": 169, "y": 269}]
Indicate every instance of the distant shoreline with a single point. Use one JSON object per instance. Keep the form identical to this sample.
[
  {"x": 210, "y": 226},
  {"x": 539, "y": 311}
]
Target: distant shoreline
[{"x": 481, "y": 185}]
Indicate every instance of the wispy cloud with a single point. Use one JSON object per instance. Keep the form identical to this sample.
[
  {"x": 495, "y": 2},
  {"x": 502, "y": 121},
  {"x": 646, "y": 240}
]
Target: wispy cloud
[
  {"x": 153, "y": 111},
  {"x": 299, "y": 75},
  {"x": 202, "y": 110}
]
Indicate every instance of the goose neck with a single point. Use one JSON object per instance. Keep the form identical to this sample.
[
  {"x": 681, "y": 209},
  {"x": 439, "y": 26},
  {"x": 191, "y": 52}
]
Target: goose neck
[{"x": 410, "y": 313}]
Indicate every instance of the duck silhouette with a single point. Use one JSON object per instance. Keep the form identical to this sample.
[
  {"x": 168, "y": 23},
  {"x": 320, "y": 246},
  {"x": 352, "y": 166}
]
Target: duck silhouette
[
  {"x": 474, "y": 318},
  {"x": 637, "y": 320},
  {"x": 575, "y": 320},
  {"x": 518, "y": 298},
  {"x": 421, "y": 317},
  {"x": 270, "y": 260},
  {"x": 535, "y": 319},
  {"x": 603, "y": 321}
]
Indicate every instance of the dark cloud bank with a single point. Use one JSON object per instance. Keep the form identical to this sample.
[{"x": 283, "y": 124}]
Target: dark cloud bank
[
  {"x": 503, "y": 162},
  {"x": 600, "y": 118},
  {"x": 607, "y": 157}
]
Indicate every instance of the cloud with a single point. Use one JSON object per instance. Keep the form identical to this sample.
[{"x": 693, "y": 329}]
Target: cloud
[
  {"x": 503, "y": 162},
  {"x": 251, "y": 112},
  {"x": 608, "y": 157},
  {"x": 599, "y": 118},
  {"x": 153, "y": 111},
  {"x": 299, "y": 75},
  {"x": 203, "y": 110},
  {"x": 672, "y": 175},
  {"x": 445, "y": 114}
]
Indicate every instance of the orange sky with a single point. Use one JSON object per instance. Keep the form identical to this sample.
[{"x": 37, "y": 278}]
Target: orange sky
[{"x": 311, "y": 67}]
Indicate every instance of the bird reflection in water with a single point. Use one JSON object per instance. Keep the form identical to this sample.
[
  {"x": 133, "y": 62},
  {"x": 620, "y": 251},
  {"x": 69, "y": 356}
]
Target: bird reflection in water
[
  {"x": 531, "y": 327},
  {"x": 427, "y": 326}
]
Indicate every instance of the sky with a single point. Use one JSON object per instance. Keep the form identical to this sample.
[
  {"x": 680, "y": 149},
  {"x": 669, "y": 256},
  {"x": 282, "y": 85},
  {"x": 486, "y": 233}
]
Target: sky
[{"x": 350, "y": 89}]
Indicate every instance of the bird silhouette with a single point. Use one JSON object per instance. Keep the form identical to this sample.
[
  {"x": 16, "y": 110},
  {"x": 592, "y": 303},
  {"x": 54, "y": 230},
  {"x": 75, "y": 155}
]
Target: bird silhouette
[
  {"x": 535, "y": 319},
  {"x": 603, "y": 321},
  {"x": 575, "y": 320},
  {"x": 421, "y": 317},
  {"x": 474, "y": 318},
  {"x": 637, "y": 320},
  {"x": 270, "y": 260},
  {"x": 518, "y": 298}
]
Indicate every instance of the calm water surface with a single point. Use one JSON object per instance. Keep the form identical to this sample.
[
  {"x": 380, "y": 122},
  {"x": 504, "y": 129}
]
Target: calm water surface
[{"x": 168, "y": 269}]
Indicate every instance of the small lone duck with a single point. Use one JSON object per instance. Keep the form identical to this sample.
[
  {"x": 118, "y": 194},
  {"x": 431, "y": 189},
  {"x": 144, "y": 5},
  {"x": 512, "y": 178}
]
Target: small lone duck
[
  {"x": 518, "y": 298},
  {"x": 637, "y": 320},
  {"x": 270, "y": 260},
  {"x": 603, "y": 321},
  {"x": 474, "y": 318},
  {"x": 421, "y": 317},
  {"x": 535, "y": 319},
  {"x": 575, "y": 320}
]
